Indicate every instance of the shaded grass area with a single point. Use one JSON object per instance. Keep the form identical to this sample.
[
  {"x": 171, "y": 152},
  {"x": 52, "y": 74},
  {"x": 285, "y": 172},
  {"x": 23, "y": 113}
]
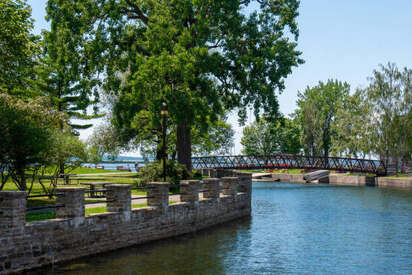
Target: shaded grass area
[
  {"x": 85, "y": 170},
  {"x": 38, "y": 216}
]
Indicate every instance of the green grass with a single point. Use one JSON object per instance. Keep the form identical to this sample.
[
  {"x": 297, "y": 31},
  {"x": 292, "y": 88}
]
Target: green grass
[
  {"x": 38, "y": 216},
  {"x": 85, "y": 170}
]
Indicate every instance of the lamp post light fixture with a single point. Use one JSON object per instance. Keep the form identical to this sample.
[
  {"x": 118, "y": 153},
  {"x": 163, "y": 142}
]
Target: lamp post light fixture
[{"x": 164, "y": 113}]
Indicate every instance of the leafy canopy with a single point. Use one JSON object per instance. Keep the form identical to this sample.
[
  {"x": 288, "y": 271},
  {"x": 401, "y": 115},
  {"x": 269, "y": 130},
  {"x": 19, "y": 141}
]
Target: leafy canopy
[
  {"x": 201, "y": 57},
  {"x": 18, "y": 46},
  {"x": 264, "y": 138},
  {"x": 317, "y": 113}
]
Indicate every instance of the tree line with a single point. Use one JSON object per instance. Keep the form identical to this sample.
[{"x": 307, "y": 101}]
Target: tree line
[{"x": 330, "y": 120}]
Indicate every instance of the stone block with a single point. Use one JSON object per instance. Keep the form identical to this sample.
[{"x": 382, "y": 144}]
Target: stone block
[
  {"x": 211, "y": 188},
  {"x": 158, "y": 195},
  {"x": 72, "y": 201},
  {"x": 229, "y": 186},
  {"x": 119, "y": 199},
  {"x": 189, "y": 191},
  {"x": 12, "y": 212}
]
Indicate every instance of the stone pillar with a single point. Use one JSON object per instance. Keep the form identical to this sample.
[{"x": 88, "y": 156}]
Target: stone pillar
[
  {"x": 229, "y": 186},
  {"x": 119, "y": 199},
  {"x": 73, "y": 200},
  {"x": 245, "y": 182},
  {"x": 12, "y": 212},
  {"x": 211, "y": 188},
  {"x": 158, "y": 195},
  {"x": 213, "y": 173},
  {"x": 205, "y": 172},
  {"x": 220, "y": 173},
  {"x": 189, "y": 191}
]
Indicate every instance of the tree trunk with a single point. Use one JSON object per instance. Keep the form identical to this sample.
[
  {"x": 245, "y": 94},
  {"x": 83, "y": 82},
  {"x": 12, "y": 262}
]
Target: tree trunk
[
  {"x": 22, "y": 176},
  {"x": 61, "y": 168},
  {"x": 184, "y": 145},
  {"x": 403, "y": 167}
]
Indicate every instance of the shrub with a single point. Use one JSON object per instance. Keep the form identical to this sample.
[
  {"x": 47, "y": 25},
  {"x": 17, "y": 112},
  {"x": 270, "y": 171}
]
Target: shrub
[{"x": 175, "y": 172}]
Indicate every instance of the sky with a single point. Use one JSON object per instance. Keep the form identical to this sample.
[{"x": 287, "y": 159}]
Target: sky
[{"x": 344, "y": 40}]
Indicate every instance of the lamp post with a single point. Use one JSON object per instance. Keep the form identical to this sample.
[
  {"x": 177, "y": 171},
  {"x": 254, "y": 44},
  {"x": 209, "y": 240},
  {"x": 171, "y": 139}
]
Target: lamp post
[{"x": 164, "y": 155}]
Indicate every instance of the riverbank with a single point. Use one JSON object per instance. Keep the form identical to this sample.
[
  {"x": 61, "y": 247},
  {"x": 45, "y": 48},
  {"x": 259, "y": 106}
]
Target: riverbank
[{"x": 342, "y": 179}]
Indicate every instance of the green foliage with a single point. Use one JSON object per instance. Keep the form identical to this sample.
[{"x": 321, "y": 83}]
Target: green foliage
[
  {"x": 103, "y": 142},
  {"x": 33, "y": 142},
  {"x": 268, "y": 138},
  {"x": 317, "y": 112},
  {"x": 352, "y": 127},
  {"x": 175, "y": 172},
  {"x": 18, "y": 46},
  {"x": 68, "y": 82},
  {"x": 27, "y": 135},
  {"x": 202, "y": 57},
  {"x": 219, "y": 140},
  {"x": 390, "y": 96}
]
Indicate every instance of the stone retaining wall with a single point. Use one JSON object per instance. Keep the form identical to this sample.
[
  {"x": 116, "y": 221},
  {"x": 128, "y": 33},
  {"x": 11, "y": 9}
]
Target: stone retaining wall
[
  {"x": 72, "y": 235},
  {"x": 288, "y": 178},
  {"x": 394, "y": 182},
  {"x": 351, "y": 180}
]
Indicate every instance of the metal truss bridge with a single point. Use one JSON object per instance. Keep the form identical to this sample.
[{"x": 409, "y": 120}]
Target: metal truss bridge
[{"x": 286, "y": 161}]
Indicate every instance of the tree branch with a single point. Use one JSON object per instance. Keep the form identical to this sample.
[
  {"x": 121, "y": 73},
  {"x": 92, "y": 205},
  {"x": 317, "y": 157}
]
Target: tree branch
[{"x": 137, "y": 11}]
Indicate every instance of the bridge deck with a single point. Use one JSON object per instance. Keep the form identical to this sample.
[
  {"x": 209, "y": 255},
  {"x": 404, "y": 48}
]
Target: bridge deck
[{"x": 291, "y": 162}]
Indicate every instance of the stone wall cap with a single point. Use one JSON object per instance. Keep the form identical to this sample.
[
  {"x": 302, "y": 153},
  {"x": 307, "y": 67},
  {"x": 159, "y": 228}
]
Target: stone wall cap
[
  {"x": 121, "y": 185},
  {"x": 158, "y": 183},
  {"x": 13, "y": 194},
  {"x": 189, "y": 181},
  {"x": 211, "y": 179},
  {"x": 230, "y": 178},
  {"x": 70, "y": 188}
]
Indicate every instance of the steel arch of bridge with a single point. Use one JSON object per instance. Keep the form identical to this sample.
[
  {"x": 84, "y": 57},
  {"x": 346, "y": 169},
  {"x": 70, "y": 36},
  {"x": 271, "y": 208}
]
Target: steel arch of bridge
[{"x": 290, "y": 162}]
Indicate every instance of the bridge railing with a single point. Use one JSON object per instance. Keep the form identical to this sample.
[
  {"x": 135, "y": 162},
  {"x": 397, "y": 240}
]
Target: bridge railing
[{"x": 289, "y": 162}]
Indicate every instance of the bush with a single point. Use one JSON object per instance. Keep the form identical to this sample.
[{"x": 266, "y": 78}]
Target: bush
[{"x": 175, "y": 172}]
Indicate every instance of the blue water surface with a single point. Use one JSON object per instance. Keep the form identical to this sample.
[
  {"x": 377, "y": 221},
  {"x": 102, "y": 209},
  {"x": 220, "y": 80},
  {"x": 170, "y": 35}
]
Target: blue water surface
[{"x": 294, "y": 229}]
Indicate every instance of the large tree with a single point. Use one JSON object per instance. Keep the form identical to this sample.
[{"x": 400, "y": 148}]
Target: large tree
[
  {"x": 390, "y": 95},
  {"x": 27, "y": 135},
  {"x": 353, "y": 127},
  {"x": 265, "y": 137},
  {"x": 18, "y": 47},
  {"x": 201, "y": 57},
  {"x": 317, "y": 113}
]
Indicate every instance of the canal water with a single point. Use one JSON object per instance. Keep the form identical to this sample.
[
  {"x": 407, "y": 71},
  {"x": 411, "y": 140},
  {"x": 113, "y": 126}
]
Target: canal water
[{"x": 294, "y": 229}]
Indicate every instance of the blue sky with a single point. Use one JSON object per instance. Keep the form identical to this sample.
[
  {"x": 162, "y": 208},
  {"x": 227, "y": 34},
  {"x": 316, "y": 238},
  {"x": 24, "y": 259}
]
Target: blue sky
[{"x": 344, "y": 40}]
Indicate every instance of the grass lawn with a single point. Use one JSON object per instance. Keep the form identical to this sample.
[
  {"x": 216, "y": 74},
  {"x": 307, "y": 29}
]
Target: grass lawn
[
  {"x": 289, "y": 171},
  {"x": 85, "y": 170}
]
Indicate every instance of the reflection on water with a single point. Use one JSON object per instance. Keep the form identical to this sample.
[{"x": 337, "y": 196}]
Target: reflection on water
[{"x": 294, "y": 229}]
